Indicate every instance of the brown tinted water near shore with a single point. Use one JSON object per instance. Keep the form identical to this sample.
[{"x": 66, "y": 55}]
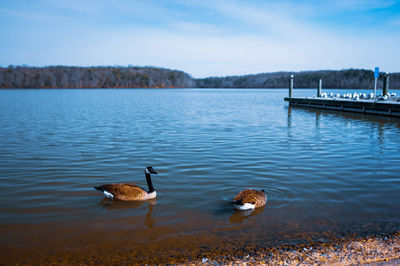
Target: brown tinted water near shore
[
  {"x": 193, "y": 237},
  {"x": 196, "y": 249}
]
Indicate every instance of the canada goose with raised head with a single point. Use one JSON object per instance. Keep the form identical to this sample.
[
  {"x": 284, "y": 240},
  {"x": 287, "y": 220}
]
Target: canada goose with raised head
[
  {"x": 248, "y": 199},
  {"x": 129, "y": 191}
]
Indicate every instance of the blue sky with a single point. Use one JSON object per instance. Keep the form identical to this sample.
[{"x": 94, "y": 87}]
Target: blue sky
[{"x": 203, "y": 38}]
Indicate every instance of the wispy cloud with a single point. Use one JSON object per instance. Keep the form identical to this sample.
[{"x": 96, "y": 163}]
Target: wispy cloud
[{"x": 360, "y": 5}]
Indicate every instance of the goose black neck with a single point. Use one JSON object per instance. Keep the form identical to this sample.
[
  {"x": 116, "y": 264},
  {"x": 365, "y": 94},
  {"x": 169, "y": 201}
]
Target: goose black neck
[{"x": 149, "y": 183}]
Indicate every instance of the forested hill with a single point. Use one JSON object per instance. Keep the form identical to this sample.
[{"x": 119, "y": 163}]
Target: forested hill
[
  {"x": 338, "y": 79},
  {"x": 152, "y": 77},
  {"x": 93, "y": 77}
]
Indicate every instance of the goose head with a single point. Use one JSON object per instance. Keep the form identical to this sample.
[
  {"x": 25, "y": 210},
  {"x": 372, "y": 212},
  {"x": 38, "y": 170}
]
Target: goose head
[{"x": 150, "y": 170}]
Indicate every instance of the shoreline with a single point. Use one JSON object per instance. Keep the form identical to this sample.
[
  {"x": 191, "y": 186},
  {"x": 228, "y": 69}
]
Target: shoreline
[
  {"x": 130, "y": 76},
  {"x": 383, "y": 250},
  {"x": 192, "y": 88}
]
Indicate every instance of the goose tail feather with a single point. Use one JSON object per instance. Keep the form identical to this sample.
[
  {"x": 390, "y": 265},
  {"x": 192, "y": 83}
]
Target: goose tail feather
[{"x": 99, "y": 188}]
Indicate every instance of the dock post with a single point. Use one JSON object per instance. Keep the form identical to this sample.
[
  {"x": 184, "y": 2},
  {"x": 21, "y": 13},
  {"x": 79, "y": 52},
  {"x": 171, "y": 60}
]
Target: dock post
[
  {"x": 319, "y": 88},
  {"x": 386, "y": 84},
  {"x": 291, "y": 86}
]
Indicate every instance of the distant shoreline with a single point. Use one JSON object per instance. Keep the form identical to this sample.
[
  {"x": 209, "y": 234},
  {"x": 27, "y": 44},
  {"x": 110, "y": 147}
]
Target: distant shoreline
[
  {"x": 67, "y": 77},
  {"x": 71, "y": 89}
]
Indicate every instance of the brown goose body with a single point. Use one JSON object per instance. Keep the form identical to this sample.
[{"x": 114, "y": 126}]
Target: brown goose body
[
  {"x": 129, "y": 191},
  {"x": 249, "y": 199}
]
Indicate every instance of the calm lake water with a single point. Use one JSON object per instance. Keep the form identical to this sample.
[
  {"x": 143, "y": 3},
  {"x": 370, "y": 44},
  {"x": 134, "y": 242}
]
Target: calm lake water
[{"x": 327, "y": 174}]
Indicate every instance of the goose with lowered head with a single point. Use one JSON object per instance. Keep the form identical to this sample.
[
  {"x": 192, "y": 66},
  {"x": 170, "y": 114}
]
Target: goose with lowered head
[{"x": 249, "y": 199}]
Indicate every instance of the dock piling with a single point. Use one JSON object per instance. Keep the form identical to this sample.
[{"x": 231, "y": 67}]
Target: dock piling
[
  {"x": 319, "y": 88},
  {"x": 386, "y": 84},
  {"x": 291, "y": 86}
]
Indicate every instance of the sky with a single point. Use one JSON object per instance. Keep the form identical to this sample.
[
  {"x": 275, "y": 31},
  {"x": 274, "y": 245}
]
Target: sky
[{"x": 203, "y": 37}]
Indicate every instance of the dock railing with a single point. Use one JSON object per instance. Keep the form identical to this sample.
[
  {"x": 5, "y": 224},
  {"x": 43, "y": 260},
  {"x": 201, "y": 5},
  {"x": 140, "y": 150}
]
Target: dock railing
[
  {"x": 386, "y": 104},
  {"x": 385, "y": 88}
]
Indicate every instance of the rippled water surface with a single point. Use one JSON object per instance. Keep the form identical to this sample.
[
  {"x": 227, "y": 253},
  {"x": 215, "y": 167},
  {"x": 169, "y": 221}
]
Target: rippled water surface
[{"x": 323, "y": 171}]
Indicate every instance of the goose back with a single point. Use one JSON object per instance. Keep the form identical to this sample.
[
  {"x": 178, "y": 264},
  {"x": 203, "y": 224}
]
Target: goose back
[
  {"x": 252, "y": 196},
  {"x": 125, "y": 191}
]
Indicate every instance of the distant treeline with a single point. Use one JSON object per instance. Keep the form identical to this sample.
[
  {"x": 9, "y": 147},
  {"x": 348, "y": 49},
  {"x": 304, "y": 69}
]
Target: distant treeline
[
  {"x": 152, "y": 77},
  {"x": 92, "y": 77},
  {"x": 335, "y": 79}
]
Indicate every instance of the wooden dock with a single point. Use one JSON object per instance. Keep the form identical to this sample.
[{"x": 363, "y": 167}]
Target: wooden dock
[{"x": 367, "y": 106}]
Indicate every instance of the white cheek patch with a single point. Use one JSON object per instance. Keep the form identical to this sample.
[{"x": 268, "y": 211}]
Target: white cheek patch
[
  {"x": 246, "y": 206},
  {"x": 108, "y": 194},
  {"x": 147, "y": 171}
]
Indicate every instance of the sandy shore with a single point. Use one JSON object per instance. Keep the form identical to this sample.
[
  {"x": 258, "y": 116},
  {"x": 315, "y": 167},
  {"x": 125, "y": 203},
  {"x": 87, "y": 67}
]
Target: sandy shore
[
  {"x": 211, "y": 249},
  {"x": 382, "y": 250}
]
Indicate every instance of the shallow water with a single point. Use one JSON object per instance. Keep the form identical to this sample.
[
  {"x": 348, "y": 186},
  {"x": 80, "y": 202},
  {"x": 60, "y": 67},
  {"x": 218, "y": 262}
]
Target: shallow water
[{"x": 326, "y": 173}]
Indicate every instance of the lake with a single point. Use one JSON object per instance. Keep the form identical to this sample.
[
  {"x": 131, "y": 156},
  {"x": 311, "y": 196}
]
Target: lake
[{"x": 327, "y": 174}]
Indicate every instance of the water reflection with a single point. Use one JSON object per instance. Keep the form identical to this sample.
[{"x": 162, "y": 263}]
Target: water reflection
[
  {"x": 372, "y": 130},
  {"x": 317, "y": 120},
  {"x": 118, "y": 205},
  {"x": 289, "y": 127},
  {"x": 289, "y": 117},
  {"x": 241, "y": 216},
  {"x": 381, "y": 120}
]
